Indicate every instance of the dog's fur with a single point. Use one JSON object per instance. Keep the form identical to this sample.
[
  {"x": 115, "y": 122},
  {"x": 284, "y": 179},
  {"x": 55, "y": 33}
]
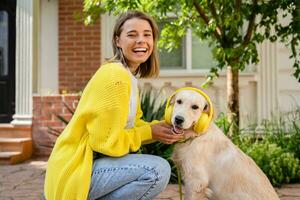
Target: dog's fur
[{"x": 211, "y": 165}]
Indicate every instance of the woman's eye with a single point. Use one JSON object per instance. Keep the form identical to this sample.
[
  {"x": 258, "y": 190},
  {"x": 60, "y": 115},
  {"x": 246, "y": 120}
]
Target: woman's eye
[
  {"x": 179, "y": 101},
  {"x": 195, "y": 107},
  {"x": 148, "y": 35}
]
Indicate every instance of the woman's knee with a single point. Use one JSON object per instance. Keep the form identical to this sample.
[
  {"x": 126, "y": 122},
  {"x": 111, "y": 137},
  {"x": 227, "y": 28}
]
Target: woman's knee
[{"x": 162, "y": 169}]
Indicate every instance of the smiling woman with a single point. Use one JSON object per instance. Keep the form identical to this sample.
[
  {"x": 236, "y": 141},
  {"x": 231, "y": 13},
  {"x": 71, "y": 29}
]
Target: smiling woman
[{"x": 91, "y": 158}]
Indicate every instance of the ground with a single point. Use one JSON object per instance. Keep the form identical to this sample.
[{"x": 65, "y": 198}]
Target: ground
[{"x": 25, "y": 181}]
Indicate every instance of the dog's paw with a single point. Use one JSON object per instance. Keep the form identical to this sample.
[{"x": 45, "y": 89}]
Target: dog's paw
[
  {"x": 208, "y": 192},
  {"x": 204, "y": 194}
]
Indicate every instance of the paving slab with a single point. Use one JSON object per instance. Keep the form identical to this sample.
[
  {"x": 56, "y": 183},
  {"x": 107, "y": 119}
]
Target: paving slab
[{"x": 25, "y": 181}]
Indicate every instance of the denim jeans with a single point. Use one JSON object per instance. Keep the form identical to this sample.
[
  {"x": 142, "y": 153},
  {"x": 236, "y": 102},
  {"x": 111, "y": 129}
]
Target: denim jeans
[{"x": 131, "y": 177}]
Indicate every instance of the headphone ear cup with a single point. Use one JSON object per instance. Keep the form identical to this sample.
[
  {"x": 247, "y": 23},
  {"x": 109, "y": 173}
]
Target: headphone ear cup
[
  {"x": 202, "y": 124},
  {"x": 168, "y": 114}
]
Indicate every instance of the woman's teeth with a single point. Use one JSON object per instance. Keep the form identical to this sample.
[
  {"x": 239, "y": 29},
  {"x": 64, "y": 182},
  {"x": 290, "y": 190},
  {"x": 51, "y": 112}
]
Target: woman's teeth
[{"x": 140, "y": 50}]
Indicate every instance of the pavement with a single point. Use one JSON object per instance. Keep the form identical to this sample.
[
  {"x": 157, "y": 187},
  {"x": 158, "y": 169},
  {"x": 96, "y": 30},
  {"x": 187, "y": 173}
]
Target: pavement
[{"x": 25, "y": 181}]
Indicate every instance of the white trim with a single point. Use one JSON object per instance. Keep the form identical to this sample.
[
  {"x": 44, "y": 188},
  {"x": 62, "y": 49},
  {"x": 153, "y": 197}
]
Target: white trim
[
  {"x": 188, "y": 48},
  {"x": 267, "y": 89},
  {"x": 107, "y": 23},
  {"x": 48, "y": 66},
  {"x": 24, "y": 62}
]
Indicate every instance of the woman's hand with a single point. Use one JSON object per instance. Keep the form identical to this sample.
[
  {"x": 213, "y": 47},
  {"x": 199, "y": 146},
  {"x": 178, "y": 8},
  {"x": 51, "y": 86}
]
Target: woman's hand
[{"x": 163, "y": 133}]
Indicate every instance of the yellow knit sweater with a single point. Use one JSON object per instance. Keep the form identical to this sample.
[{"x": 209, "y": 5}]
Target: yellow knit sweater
[{"x": 98, "y": 125}]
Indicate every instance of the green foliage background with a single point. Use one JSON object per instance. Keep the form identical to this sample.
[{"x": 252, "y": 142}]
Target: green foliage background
[{"x": 232, "y": 28}]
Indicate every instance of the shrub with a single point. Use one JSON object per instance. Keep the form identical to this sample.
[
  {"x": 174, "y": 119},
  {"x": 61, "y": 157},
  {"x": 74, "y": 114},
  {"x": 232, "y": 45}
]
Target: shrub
[
  {"x": 285, "y": 131},
  {"x": 280, "y": 166}
]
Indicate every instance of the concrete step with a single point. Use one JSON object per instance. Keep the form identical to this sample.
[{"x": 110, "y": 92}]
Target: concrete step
[
  {"x": 10, "y": 131},
  {"x": 15, "y": 150},
  {"x": 13, "y": 144},
  {"x": 11, "y": 157}
]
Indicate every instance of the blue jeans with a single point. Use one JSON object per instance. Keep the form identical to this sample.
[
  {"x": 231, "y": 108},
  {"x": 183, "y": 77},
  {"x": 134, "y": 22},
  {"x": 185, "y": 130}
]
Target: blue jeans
[{"x": 131, "y": 177}]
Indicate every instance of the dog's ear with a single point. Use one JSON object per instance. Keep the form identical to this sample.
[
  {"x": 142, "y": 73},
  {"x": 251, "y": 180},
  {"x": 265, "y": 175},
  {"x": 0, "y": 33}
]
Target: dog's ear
[
  {"x": 172, "y": 100},
  {"x": 206, "y": 108}
]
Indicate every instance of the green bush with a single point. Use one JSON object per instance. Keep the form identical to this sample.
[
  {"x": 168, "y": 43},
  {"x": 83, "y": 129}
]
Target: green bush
[
  {"x": 280, "y": 166},
  {"x": 285, "y": 131}
]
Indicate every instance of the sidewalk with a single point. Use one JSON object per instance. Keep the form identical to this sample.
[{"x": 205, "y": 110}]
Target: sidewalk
[{"x": 25, "y": 182}]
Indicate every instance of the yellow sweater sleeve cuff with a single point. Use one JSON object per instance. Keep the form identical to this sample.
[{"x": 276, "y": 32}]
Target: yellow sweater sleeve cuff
[{"x": 145, "y": 133}]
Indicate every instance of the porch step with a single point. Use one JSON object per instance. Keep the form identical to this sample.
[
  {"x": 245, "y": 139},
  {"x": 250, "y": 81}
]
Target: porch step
[
  {"x": 10, "y": 131},
  {"x": 15, "y": 144},
  {"x": 10, "y": 157}
]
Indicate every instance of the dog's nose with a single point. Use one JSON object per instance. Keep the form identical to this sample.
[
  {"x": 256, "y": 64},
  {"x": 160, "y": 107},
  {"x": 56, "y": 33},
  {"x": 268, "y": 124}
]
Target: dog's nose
[{"x": 179, "y": 120}]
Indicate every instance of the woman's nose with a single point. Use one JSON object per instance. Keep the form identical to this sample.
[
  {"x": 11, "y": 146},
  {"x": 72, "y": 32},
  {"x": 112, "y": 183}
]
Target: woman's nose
[{"x": 140, "y": 40}]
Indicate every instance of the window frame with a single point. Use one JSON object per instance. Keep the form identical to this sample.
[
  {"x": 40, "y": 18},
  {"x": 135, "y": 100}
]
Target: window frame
[{"x": 187, "y": 69}]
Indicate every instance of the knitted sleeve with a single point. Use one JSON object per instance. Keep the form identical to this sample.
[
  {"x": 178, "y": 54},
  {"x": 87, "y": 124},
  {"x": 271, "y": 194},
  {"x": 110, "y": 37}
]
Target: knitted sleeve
[
  {"x": 108, "y": 95},
  {"x": 140, "y": 122}
]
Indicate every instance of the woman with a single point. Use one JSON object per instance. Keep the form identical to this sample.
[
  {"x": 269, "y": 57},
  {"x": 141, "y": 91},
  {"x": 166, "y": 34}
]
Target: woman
[{"x": 108, "y": 121}]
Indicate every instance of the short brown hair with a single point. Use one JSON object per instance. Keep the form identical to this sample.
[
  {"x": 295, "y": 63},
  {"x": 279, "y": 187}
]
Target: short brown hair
[{"x": 149, "y": 68}]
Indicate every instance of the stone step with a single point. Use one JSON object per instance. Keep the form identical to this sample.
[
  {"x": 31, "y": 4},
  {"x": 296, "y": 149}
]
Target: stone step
[
  {"x": 13, "y": 144},
  {"x": 10, "y": 131},
  {"x": 11, "y": 157},
  {"x": 15, "y": 150}
]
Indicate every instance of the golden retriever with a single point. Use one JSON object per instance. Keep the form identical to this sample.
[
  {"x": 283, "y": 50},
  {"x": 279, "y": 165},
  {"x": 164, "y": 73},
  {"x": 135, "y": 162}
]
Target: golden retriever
[{"x": 211, "y": 165}]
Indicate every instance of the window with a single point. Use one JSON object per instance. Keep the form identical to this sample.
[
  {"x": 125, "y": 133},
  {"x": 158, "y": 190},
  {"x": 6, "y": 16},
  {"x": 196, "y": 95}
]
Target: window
[{"x": 193, "y": 54}]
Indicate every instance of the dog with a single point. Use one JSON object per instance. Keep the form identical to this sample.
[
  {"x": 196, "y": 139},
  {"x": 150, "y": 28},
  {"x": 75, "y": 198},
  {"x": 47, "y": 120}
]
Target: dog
[{"x": 211, "y": 165}]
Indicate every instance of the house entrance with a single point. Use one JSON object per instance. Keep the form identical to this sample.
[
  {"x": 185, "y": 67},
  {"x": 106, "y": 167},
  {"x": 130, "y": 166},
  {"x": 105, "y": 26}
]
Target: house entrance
[{"x": 7, "y": 59}]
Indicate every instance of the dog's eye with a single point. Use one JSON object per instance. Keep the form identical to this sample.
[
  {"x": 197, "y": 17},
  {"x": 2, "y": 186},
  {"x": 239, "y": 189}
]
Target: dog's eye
[
  {"x": 179, "y": 101},
  {"x": 195, "y": 107}
]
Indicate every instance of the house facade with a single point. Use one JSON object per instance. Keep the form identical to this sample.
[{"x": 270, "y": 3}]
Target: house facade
[{"x": 47, "y": 56}]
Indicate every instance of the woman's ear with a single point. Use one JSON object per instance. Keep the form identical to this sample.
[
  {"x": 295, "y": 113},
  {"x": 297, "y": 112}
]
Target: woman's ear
[{"x": 117, "y": 41}]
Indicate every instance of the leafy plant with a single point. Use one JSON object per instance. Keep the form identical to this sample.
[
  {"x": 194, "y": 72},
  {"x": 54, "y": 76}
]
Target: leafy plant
[
  {"x": 148, "y": 105},
  {"x": 280, "y": 166},
  {"x": 57, "y": 131}
]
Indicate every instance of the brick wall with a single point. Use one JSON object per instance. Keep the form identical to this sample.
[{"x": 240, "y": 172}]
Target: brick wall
[
  {"x": 79, "y": 47},
  {"x": 45, "y": 110}
]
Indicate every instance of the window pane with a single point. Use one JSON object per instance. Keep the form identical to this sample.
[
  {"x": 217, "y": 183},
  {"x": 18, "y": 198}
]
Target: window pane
[
  {"x": 173, "y": 59},
  {"x": 201, "y": 54},
  {"x": 3, "y": 43}
]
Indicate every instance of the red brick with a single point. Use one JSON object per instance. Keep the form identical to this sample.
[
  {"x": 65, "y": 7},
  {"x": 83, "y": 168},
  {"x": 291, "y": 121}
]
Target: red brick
[{"x": 79, "y": 47}]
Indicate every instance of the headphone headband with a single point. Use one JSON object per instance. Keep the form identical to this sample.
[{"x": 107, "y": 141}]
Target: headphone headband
[{"x": 211, "y": 110}]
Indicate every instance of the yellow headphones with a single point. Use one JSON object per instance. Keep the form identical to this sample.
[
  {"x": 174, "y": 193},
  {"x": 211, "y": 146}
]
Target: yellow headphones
[{"x": 203, "y": 123}]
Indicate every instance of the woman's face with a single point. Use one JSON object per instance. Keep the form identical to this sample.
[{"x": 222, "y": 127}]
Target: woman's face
[{"x": 136, "y": 42}]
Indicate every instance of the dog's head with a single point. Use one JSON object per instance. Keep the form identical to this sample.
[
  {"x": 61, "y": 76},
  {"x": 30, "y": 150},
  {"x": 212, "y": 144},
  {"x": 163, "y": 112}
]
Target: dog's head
[{"x": 187, "y": 108}]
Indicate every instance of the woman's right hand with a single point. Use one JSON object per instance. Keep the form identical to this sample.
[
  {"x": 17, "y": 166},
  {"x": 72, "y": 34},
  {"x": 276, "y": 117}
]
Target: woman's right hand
[{"x": 163, "y": 133}]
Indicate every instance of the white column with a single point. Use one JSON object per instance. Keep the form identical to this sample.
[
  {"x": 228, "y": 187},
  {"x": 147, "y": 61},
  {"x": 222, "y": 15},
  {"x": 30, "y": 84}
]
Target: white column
[
  {"x": 24, "y": 62},
  {"x": 267, "y": 89}
]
